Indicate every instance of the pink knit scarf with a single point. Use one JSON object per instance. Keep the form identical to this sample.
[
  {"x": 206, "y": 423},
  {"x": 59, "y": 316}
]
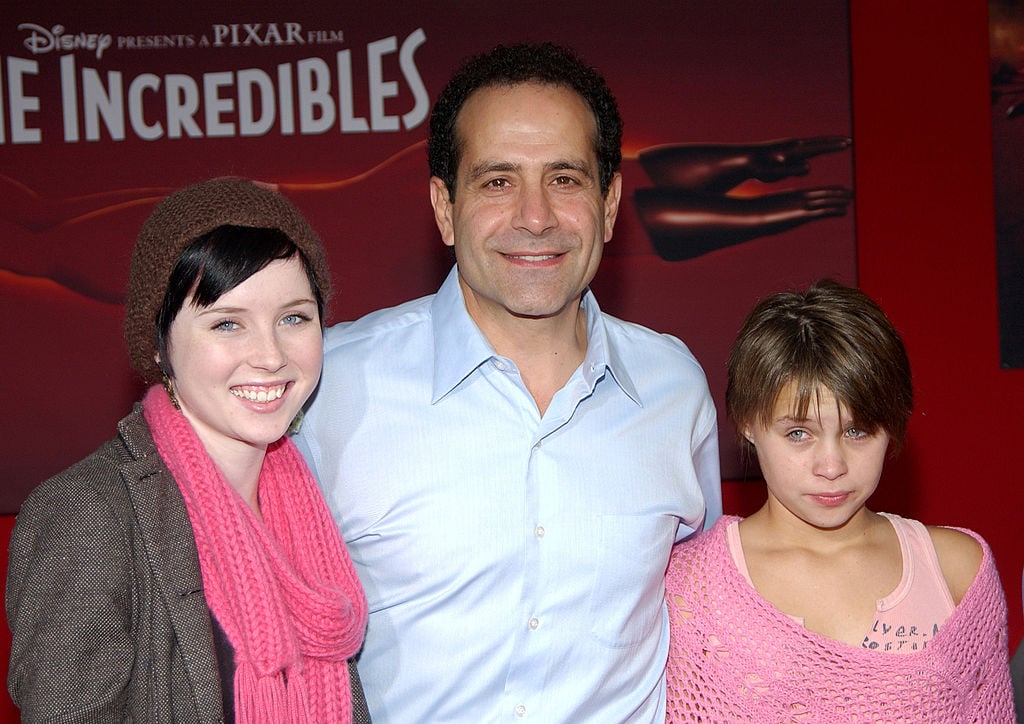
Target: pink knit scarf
[{"x": 283, "y": 589}]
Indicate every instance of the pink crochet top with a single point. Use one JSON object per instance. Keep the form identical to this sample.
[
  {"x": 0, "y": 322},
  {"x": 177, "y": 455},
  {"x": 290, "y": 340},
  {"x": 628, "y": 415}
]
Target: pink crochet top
[
  {"x": 735, "y": 657},
  {"x": 912, "y": 614}
]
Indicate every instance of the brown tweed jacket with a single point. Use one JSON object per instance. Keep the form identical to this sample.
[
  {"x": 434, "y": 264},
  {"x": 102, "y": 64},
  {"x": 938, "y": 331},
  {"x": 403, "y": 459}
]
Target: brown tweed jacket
[{"x": 105, "y": 597}]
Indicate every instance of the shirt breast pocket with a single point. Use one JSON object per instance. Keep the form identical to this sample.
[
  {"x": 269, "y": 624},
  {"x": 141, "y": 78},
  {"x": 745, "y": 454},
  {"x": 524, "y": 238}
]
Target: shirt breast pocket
[{"x": 627, "y": 595}]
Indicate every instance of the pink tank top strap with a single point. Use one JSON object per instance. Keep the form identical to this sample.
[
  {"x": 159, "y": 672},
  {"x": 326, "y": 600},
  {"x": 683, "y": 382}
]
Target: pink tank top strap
[{"x": 912, "y": 614}]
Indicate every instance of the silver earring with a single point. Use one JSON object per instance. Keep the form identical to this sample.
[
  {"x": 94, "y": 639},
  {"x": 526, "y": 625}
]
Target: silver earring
[{"x": 169, "y": 386}]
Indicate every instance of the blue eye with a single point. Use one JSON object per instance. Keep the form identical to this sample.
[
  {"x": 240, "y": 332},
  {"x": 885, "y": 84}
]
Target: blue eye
[{"x": 293, "y": 319}]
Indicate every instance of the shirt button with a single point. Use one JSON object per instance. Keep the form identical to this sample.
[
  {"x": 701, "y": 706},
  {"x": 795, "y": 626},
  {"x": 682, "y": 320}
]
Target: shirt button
[
  {"x": 534, "y": 623},
  {"x": 539, "y": 531},
  {"x": 520, "y": 711},
  {"x": 499, "y": 364}
]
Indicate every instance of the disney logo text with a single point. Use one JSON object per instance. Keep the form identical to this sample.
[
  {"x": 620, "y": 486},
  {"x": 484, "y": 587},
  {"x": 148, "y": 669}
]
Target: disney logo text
[{"x": 40, "y": 40}]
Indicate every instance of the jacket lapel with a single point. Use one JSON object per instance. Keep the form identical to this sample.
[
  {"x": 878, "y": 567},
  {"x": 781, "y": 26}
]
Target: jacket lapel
[{"x": 171, "y": 551}]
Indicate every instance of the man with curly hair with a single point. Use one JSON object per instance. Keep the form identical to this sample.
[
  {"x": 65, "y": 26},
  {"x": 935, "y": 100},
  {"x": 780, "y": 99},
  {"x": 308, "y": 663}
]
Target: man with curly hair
[{"x": 510, "y": 466}]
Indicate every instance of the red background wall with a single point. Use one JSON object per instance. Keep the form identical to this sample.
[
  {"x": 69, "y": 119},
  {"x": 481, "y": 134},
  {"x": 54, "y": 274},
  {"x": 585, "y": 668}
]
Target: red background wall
[
  {"x": 925, "y": 235},
  {"x": 924, "y": 213},
  {"x": 926, "y": 252}
]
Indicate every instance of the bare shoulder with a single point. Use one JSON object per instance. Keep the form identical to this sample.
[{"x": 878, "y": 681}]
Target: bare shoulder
[{"x": 959, "y": 557}]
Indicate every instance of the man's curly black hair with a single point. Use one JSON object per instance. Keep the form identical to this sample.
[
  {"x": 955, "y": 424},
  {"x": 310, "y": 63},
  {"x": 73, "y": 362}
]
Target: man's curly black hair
[{"x": 509, "y": 65}]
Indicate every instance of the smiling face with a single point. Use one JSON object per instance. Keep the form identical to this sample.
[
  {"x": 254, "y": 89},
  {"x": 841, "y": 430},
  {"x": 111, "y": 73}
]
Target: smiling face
[
  {"x": 244, "y": 365},
  {"x": 820, "y": 468},
  {"x": 529, "y": 221}
]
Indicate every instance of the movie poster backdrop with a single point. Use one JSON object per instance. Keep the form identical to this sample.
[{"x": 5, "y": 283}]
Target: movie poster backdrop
[
  {"x": 1006, "y": 56},
  {"x": 737, "y": 168}
]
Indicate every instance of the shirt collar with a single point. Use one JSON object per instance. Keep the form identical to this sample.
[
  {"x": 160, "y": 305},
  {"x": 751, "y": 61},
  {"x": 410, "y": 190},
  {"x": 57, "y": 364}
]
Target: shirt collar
[
  {"x": 460, "y": 347},
  {"x": 604, "y": 352}
]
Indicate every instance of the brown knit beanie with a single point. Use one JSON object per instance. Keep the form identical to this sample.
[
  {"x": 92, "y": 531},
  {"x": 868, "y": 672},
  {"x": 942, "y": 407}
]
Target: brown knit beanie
[{"x": 179, "y": 220}]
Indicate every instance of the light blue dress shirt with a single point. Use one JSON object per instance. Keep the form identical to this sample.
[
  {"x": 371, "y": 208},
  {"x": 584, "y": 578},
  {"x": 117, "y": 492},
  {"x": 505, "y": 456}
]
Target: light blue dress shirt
[{"x": 513, "y": 563}]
